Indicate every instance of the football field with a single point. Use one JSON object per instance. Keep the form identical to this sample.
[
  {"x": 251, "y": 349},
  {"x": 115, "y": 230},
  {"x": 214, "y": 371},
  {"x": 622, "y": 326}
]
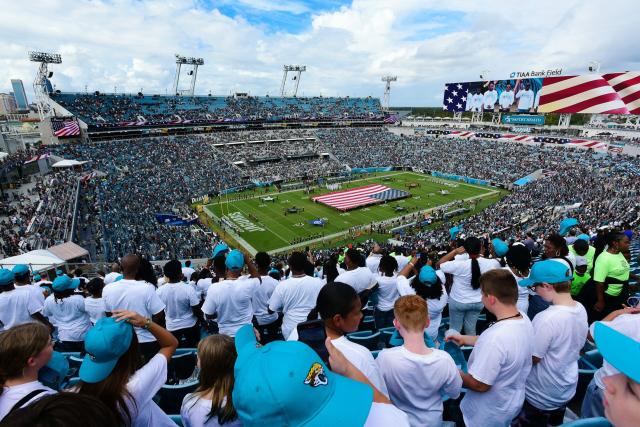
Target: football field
[{"x": 267, "y": 220}]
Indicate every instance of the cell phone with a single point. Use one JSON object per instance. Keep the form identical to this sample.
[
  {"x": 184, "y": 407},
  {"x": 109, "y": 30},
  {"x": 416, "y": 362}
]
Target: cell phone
[{"x": 313, "y": 334}]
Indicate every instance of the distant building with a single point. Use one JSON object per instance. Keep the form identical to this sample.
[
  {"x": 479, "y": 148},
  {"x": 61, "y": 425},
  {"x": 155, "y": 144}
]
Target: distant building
[
  {"x": 7, "y": 104},
  {"x": 19, "y": 94}
]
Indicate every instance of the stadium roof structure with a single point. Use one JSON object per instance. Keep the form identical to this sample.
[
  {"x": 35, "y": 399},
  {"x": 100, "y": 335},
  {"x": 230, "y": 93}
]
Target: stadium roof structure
[
  {"x": 68, "y": 251},
  {"x": 68, "y": 163}
]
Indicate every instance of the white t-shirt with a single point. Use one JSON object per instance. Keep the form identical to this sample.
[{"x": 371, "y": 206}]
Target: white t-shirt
[
  {"x": 461, "y": 289},
  {"x": 295, "y": 297},
  {"x": 142, "y": 386},
  {"x": 373, "y": 262},
  {"x": 402, "y": 261},
  {"x": 195, "y": 411},
  {"x": 385, "y": 415},
  {"x": 178, "y": 299},
  {"x": 525, "y": 98},
  {"x": 136, "y": 296},
  {"x": 187, "y": 272},
  {"x": 359, "y": 278},
  {"x": 202, "y": 286},
  {"x": 34, "y": 291},
  {"x": 69, "y": 316},
  {"x": 506, "y": 98},
  {"x": 501, "y": 358},
  {"x": 11, "y": 395},
  {"x": 523, "y": 293},
  {"x": 362, "y": 359},
  {"x": 16, "y": 307},
  {"x": 387, "y": 292},
  {"x": 111, "y": 277},
  {"x": 559, "y": 334},
  {"x": 94, "y": 308},
  {"x": 627, "y": 324},
  {"x": 416, "y": 382},
  {"x": 490, "y": 99},
  {"x": 435, "y": 307},
  {"x": 230, "y": 300},
  {"x": 261, "y": 301}
]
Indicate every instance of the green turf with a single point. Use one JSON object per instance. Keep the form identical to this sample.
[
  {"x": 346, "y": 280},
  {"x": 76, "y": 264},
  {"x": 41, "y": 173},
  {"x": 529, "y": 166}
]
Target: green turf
[{"x": 280, "y": 231}]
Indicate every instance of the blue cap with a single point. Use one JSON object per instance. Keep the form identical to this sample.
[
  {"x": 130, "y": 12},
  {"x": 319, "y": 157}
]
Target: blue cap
[
  {"x": 619, "y": 350},
  {"x": 453, "y": 231},
  {"x": 428, "y": 275},
  {"x": 55, "y": 371},
  {"x": 548, "y": 271},
  {"x": 63, "y": 283},
  {"x": 566, "y": 224},
  {"x": 105, "y": 343},
  {"x": 629, "y": 234},
  {"x": 274, "y": 270},
  {"x": 6, "y": 277},
  {"x": 20, "y": 270},
  {"x": 500, "y": 247},
  {"x": 235, "y": 260},
  {"x": 37, "y": 277},
  {"x": 286, "y": 383},
  {"x": 220, "y": 249},
  {"x": 59, "y": 272},
  {"x": 583, "y": 237}
]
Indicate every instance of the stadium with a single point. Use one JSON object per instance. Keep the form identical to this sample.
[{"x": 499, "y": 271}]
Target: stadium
[{"x": 193, "y": 236}]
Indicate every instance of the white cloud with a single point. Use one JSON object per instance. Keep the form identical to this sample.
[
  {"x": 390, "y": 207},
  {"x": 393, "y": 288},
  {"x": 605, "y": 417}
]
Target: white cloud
[{"x": 130, "y": 43}]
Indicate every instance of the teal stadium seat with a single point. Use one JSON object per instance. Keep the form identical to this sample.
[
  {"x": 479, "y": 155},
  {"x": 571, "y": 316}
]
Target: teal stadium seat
[
  {"x": 589, "y": 422},
  {"x": 369, "y": 340},
  {"x": 170, "y": 397}
]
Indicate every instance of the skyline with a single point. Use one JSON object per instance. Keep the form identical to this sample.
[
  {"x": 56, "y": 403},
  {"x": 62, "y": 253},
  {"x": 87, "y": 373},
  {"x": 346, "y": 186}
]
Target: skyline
[{"x": 346, "y": 46}]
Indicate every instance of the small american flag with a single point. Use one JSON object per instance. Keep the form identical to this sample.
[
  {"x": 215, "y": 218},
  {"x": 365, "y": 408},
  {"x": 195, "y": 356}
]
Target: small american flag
[
  {"x": 455, "y": 96},
  {"x": 65, "y": 128}
]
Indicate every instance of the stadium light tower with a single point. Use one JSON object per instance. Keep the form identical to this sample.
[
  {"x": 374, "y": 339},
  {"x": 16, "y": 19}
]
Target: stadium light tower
[
  {"x": 387, "y": 90},
  {"x": 41, "y": 85},
  {"x": 183, "y": 60},
  {"x": 298, "y": 69}
]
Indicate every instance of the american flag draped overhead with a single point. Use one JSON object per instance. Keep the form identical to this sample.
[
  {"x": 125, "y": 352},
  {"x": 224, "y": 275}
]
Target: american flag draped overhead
[
  {"x": 360, "y": 196},
  {"x": 627, "y": 86},
  {"x": 65, "y": 128}
]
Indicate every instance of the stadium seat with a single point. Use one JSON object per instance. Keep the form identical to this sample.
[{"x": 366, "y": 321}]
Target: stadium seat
[
  {"x": 371, "y": 340},
  {"x": 70, "y": 383},
  {"x": 585, "y": 373},
  {"x": 75, "y": 360},
  {"x": 594, "y": 358},
  {"x": 589, "y": 422},
  {"x": 368, "y": 324},
  {"x": 176, "y": 419},
  {"x": 169, "y": 397},
  {"x": 181, "y": 366},
  {"x": 386, "y": 334}
]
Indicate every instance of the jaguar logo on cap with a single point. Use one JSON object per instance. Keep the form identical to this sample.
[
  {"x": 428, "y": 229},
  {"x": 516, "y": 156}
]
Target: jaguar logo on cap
[{"x": 316, "y": 376}]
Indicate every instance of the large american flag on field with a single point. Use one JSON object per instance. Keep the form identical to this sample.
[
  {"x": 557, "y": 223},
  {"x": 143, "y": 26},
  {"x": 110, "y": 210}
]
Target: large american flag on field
[
  {"x": 65, "y": 128},
  {"x": 360, "y": 196},
  {"x": 587, "y": 93}
]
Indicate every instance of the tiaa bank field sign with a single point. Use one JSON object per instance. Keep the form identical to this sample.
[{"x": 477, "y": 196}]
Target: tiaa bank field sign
[{"x": 522, "y": 119}]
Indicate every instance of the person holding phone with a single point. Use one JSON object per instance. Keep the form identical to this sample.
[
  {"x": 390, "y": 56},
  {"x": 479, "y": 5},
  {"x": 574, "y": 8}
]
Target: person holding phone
[{"x": 340, "y": 311}]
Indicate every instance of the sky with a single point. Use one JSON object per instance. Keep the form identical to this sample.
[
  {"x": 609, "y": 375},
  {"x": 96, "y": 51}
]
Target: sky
[{"x": 347, "y": 46}]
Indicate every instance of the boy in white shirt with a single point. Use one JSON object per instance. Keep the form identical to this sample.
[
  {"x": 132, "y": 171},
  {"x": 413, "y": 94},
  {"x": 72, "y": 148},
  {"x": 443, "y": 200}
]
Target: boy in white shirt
[
  {"x": 417, "y": 376},
  {"x": 268, "y": 324},
  {"x": 501, "y": 357},
  {"x": 560, "y": 332}
]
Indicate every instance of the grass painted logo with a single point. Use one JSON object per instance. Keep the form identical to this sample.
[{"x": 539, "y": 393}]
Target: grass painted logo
[{"x": 243, "y": 223}]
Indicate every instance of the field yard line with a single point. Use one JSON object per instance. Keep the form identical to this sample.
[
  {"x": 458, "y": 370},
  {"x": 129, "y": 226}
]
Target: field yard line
[
  {"x": 262, "y": 225},
  {"x": 233, "y": 234},
  {"x": 342, "y": 233}
]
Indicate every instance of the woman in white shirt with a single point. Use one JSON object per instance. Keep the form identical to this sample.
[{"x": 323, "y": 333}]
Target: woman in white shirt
[
  {"x": 387, "y": 291},
  {"x": 465, "y": 297},
  {"x": 24, "y": 350},
  {"x": 110, "y": 371},
  {"x": 94, "y": 304},
  {"x": 210, "y": 405},
  {"x": 65, "y": 310}
]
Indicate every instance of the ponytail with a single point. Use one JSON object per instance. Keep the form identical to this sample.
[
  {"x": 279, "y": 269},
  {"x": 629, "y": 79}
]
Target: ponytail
[
  {"x": 475, "y": 273},
  {"x": 473, "y": 245}
]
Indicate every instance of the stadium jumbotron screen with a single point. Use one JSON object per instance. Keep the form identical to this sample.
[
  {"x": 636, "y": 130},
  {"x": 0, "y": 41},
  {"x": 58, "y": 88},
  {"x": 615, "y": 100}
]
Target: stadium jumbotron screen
[{"x": 612, "y": 93}]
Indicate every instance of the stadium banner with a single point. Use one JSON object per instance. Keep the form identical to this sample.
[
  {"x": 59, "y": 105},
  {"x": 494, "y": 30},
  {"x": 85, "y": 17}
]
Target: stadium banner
[
  {"x": 612, "y": 93},
  {"x": 66, "y": 127},
  {"x": 371, "y": 170},
  {"x": 521, "y": 129},
  {"x": 473, "y": 181},
  {"x": 522, "y": 119},
  {"x": 506, "y": 96},
  {"x": 616, "y": 147},
  {"x": 175, "y": 220}
]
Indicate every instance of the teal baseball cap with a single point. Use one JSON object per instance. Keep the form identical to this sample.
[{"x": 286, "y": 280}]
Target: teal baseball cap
[
  {"x": 64, "y": 282},
  {"x": 219, "y": 249},
  {"x": 21, "y": 270},
  {"x": 500, "y": 247},
  {"x": 285, "y": 383},
  {"x": 454, "y": 231},
  {"x": 234, "y": 260},
  {"x": 548, "y": 271},
  {"x": 566, "y": 224},
  {"x": 584, "y": 236},
  {"x": 105, "y": 343},
  {"x": 59, "y": 272},
  {"x": 37, "y": 277},
  {"x": 619, "y": 350},
  {"x": 428, "y": 275},
  {"x": 6, "y": 277}
]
